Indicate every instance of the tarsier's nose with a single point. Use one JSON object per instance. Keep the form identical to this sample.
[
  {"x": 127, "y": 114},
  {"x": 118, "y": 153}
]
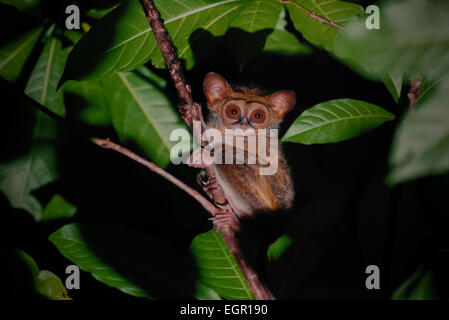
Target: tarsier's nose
[{"x": 243, "y": 124}]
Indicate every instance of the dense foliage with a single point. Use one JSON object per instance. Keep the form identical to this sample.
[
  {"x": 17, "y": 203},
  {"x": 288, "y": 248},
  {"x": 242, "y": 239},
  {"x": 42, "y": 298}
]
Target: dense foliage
[{"x": 364, "y": 163}]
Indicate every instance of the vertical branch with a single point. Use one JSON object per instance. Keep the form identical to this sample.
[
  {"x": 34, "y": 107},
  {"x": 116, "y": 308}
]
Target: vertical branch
[
  {"x": 191, "y": 111},
  {"x": 164, "y": 42}
]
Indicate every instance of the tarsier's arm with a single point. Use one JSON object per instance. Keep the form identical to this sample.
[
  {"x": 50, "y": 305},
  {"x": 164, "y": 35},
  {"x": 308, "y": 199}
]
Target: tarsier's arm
[{"x": 244, "y": 187}]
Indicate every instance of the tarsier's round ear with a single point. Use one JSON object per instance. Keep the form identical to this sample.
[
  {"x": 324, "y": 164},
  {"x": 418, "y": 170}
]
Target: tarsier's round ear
[
  {"x": 215, "y": 87},
  {"x": 282, "y": 102}
]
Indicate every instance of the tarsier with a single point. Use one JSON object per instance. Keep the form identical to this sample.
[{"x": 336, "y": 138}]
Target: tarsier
[{"x": 245, "y": 190}]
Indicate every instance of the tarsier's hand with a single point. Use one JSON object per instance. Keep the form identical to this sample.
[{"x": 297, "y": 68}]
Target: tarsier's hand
[
  {"x": 224, "y": 214},
  {"x": 196, "y": 159}
]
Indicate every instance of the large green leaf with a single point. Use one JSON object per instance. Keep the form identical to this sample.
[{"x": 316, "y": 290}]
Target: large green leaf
[
  {"x": 336, "y": 120},
  {"x": 123, "y": 40},
  {"x": 421, "y": 142},
  {"x": 413, "y": 37},
  {"x": 43, "y": 82},
  {"x": 20, "y": 176},
  {"x": 134, "y": 263},
  {"x": 283, "y": 42},
  {"x": 218, "y": 268},
  {"x": 90, "y": 97},
  {"x": 14, "y": 54},
  {"x": 339, "y": 12},
  {"x": 141, "y": 112},
  {"x": 257, "y": 15}
]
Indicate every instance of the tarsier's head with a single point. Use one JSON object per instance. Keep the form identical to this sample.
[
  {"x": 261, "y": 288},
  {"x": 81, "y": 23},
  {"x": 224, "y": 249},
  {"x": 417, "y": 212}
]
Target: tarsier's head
[{"x": 245, "y": 108}]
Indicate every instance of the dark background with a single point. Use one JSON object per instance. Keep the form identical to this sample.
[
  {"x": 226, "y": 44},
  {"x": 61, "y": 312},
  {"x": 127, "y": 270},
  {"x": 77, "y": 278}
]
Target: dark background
[{"x": 344, "y": 217}]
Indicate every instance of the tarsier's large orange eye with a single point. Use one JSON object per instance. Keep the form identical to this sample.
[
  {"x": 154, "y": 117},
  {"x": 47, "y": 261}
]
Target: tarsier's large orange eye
[
  {"x": 258, "y": 116},
  {"x": 233, "y": 111}
]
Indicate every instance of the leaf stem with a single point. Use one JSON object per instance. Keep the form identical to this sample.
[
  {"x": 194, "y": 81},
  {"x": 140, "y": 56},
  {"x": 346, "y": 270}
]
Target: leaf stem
[{"x": 312, "y": 14}]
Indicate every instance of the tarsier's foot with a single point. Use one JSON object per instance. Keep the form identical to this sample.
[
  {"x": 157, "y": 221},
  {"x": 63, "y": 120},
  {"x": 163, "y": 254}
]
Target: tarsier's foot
[
  {"x": 226, "y": 219},
  {"x": 209, "y": 184},
  {"x": 211, "y": 188}
]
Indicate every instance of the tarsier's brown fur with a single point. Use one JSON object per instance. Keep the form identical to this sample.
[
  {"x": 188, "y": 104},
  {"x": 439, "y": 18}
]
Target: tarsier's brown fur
[{"x": 245, "y": 188}]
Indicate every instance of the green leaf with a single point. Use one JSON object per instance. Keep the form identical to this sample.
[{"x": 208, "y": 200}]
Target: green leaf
[
  {"x": 43, "y": 82},
  {"x": 135, "y": 263},
  {"x": 58, "y": 208},
  {"x": 393, "y": 82},
  {"x": 336, "y": 120},
  {"x": 421, "y": 142},
  {"x": 90, "y": 96},
  {"x": 257, "y": 15},
  {"x": 281, "y": 41},
  {"x": 23, "y": 5},
  {"x": 141, "y": 112},
  {"x": 20, "y": 176},
  {"x": 25, "y": 280},
  {"x": 99, "y": 13},
  {"x": 123, "y": 40},
  {"x": 218, "y": 268},
  {"x": 205, "y": 292},
  {"x": 420, "y": 286},
  {"x": 14, "y": 54},
  {"x": 413, "y": 37},
  {"x": 339, "y": 12},
  {"x": 50, "y": 286},
  {"x": 278, "y": 248}
]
